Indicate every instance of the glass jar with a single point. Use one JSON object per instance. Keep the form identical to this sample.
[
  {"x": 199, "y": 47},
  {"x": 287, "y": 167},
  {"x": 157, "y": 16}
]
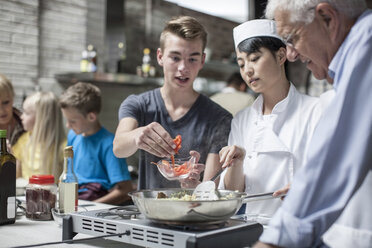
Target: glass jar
[{"x": 41, "y": 197}]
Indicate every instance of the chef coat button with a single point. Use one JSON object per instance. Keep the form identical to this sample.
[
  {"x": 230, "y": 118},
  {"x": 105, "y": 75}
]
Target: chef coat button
[
  {"x": 255, "y": 122},
  {"x": 249, "y": 156}
]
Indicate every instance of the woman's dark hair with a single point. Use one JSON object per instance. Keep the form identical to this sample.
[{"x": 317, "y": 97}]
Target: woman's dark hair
[{"x": 252, "y": 45}]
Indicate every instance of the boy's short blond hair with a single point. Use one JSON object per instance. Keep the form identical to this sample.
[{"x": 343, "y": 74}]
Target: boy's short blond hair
[
  {"x": 185, "y": 27},
  {"x": 6, "y": 86},
  {"x": 84, "y": 97}
]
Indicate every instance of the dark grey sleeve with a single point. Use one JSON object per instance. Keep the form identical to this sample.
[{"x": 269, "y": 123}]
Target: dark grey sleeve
[{"x": 130, "y": 107}]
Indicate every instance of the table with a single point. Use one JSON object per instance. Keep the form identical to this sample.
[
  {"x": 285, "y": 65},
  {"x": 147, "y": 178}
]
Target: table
[{"x": 29, "y": 232}]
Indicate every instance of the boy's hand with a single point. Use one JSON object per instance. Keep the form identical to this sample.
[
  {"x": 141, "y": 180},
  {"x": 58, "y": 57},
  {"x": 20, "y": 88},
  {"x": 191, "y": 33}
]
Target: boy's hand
[{"x": 154, "y": 139}]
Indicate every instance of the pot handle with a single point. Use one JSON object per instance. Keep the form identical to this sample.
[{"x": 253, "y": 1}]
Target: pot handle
[{"x": 259, "y": 197}]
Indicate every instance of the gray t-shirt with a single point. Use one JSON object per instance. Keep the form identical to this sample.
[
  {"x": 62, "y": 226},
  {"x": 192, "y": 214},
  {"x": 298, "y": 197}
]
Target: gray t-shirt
[{"x": 204, "y": 128}]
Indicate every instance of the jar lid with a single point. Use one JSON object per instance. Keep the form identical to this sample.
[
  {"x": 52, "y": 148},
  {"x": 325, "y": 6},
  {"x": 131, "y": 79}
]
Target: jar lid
[{"x": 41, "y": 179}]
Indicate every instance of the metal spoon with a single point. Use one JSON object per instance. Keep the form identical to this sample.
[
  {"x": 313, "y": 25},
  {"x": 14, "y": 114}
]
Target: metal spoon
[{"x": 207, "y": 191}]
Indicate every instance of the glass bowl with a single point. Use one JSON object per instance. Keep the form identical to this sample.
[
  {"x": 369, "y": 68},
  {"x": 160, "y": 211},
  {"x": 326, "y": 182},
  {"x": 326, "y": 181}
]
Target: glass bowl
[{"x": 180, "y": 170}]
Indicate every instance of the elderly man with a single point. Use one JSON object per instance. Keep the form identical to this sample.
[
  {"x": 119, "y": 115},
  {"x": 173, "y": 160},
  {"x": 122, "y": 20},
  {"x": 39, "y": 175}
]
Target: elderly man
[{"x": 334, "y": 39}]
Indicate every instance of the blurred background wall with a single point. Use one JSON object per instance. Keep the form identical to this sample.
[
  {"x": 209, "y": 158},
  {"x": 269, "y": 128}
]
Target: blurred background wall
[{"x": 41, "y": 44}]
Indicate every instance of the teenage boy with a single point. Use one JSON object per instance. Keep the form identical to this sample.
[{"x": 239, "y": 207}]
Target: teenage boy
[
  {"x": 151, "y": 120},
  {"x": 102, "y": 176}
]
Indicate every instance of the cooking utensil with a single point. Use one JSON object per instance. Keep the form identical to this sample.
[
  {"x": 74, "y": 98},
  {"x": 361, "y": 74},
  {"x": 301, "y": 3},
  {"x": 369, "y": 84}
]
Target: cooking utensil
[
  {"x": 172, "y": 211},
  {"x": 207, "y": 190}
]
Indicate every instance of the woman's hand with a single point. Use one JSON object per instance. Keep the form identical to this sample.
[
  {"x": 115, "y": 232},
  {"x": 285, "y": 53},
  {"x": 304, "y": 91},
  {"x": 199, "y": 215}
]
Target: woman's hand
[
  {"x": 194, "y": 178},
  {"x": 283, "y": 191},
  {"x": 231, "y": 155}
]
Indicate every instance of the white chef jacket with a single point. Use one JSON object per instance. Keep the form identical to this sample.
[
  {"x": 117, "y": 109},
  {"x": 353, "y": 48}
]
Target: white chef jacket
[{"x": 275, "y": 145}]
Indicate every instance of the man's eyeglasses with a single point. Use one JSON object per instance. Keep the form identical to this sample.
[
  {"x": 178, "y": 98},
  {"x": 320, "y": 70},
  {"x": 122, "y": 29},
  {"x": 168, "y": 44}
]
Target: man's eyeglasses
[{"x": 288, "y": 41}]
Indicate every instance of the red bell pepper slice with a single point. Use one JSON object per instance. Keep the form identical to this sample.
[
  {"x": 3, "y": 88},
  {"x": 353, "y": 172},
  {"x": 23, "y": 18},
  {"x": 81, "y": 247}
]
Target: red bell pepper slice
[{"x": 177, "y": 141}]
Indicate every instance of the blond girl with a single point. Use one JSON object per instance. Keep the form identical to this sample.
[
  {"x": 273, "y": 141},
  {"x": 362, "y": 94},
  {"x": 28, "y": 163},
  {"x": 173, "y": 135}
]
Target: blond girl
[
  {"x": 39, "y": 150},
  {"x": 10, "y": 119}
]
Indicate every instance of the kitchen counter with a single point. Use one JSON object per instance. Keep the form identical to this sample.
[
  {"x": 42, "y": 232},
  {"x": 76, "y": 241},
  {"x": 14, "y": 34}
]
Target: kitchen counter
[{"x": 27, "y": 232}]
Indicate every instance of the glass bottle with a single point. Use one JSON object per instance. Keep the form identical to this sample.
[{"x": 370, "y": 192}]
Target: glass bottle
[
  {"x": 92, "y": 58},
  {"x": 123, "y": 56},
  {"x": 146, "y": 62},
  {"x": 7, "y": 183},
  {"x": 68, "y": 184},
  {"x": 84, "y": 61}
]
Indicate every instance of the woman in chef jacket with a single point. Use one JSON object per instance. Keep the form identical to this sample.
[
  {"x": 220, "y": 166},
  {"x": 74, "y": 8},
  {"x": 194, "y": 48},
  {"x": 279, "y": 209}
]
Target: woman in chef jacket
[{"x": 268, "y": 140}]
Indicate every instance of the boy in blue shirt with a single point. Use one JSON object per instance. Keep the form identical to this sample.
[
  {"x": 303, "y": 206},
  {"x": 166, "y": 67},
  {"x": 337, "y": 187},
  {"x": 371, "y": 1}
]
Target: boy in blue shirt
[{"x": 102, "y": 176}]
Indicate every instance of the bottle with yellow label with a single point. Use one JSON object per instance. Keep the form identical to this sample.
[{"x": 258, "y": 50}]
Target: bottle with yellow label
[
  {"x": 146, "y": 62},
  {"x": 68, "y": 184},
  {"x": 84, "y": 61}
]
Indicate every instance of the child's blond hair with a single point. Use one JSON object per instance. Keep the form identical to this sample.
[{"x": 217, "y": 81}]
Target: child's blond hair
[
  {"x": 6, "y": 86},
  {"x": 48, "y": 134}
]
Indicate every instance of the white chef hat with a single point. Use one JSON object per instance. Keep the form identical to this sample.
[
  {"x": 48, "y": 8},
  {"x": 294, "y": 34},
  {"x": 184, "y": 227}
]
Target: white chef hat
[{"x": 254, "y": 28}]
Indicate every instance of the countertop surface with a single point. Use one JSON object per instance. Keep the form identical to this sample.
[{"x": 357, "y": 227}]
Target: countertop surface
[{"x": 25, "y": 232}]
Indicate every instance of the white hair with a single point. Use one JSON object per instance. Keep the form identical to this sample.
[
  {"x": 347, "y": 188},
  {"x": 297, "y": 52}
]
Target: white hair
[{"x": 301, "y": 11}]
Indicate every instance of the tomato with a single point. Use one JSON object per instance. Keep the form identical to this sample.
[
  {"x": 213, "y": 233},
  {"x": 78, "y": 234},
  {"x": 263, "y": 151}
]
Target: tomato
[
  {"x": 177, "y": 141},
  {"x": 180, "y": 170},
  {"x": 172, "y": 158}
]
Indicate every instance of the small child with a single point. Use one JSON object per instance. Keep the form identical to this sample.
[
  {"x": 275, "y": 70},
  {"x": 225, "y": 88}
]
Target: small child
[
  {"x": 102, "y": 176},
  {"x": 10, "y": 117},
  {"x": 40, "y": 149}
]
